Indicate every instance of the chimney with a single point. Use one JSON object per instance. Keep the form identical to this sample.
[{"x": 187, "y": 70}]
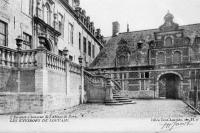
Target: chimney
[{"x": 116, "y": 28}]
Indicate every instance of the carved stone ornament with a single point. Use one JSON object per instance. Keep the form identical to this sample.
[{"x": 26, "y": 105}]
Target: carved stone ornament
[{"x": 169, "y": 24}]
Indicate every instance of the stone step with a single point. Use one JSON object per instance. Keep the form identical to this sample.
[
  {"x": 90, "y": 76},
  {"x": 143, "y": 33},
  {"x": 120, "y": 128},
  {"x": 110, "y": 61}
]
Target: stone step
[
  {"x": 121, "y": 98},
  {"x": 114, "y": 103},
  {"x": 127, "y": 100},
  {"x": 132, "y": 102}
]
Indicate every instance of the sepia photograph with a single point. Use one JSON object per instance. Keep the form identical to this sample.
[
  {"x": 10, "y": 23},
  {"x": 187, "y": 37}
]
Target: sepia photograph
[{"x": 99, "y": 66}]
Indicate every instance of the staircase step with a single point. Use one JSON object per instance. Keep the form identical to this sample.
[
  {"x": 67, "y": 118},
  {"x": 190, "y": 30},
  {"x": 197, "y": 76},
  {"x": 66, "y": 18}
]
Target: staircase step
[
  {"x": 114, "y": 103},
  {"x": 132, "y": 102},
  {"x": 121, "y": 101},
  {"x": 121, "y": 98}
]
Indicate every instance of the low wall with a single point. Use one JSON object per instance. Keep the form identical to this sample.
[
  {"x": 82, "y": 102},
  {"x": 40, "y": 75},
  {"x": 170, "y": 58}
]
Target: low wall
[
  {"x": 146, "y": 94},
  {"x": 96, "y": 94},
  {"x": 20, "y": 103}
]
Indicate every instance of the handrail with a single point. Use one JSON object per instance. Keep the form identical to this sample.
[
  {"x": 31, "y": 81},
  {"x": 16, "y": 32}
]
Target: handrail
[
  {"x": 117, "y": 85},
  {"x": 97, "y": 76},
  {"x": 7, "y": 48}
]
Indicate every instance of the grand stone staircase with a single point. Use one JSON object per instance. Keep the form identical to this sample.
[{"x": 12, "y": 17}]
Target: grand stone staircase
[{"x": 118, "y": 99}]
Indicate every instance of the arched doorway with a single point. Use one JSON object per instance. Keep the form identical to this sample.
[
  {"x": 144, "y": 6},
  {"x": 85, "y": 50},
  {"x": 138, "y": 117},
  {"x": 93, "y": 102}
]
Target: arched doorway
[{"x": 169, "y": 85}]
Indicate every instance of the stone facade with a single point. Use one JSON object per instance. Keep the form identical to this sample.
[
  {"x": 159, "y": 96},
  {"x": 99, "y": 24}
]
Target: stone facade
[
  {"x": 154, "y": 63},
  {"x": 62, "y": 22},
  {"x": 43, "y": 72}
]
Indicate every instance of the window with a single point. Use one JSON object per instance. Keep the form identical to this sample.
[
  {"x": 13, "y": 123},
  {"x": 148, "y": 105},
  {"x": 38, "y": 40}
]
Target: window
[
  {"x": 71, "y": 34},
  {"x": 26, "y": 6},
  {"x": 89, "y": 48},
  {"x": 146, "y": 75},
  {"x": 122, "y": 60},
  {"x": 47, "y": 14},
  {"x": 3, "y": 33},
  {"x": 168, "y": 41},
  {"x": 84, "y": 45},
  {"x": 161, "y": 58},
  {"x": 177, "y": 57},
  {"x": 93, "y": 51},
  {"x": 27, "y": 41},
  {"x": 61, "y": 24},
  {"x": 79, "y": 40}
]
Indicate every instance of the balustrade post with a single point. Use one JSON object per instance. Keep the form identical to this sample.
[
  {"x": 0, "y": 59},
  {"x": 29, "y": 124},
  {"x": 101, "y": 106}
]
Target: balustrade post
[
  {"x": 41, "y": 54},
  {"x": 109, "y": 88},
  {"x": 66, "y": 62},
  {"x": 3, "y": 57}
]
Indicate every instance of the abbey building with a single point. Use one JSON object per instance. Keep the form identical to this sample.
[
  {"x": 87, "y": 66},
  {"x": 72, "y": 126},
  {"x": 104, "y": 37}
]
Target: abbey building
[{"x": 155, "y": 63}]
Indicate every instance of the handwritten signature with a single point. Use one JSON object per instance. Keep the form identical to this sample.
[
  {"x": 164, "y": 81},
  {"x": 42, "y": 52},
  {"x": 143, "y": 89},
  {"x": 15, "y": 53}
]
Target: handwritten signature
[{"x": 171, "y": 123}]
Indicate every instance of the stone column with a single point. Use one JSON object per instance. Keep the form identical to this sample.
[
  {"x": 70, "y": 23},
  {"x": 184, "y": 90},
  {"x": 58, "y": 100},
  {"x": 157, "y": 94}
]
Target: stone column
[
  {"x": 41, "y": 73},
  {"x": 109, "y": 88},
  {"x": 123, "y": 81},
  {"x": 67, "y": 70},
  {"x": 19, "y": 42},
  {"x": 82, "y": 78}
]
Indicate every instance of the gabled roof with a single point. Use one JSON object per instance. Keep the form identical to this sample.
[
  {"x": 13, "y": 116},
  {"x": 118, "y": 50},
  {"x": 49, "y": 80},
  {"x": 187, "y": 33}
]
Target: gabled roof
[{"x": 106, "y": 57}]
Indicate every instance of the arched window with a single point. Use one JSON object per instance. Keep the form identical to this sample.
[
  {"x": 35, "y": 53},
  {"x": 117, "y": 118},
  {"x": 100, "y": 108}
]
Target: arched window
[
  {"x": 177, "y": 57},
  {"x": 168, "y": 41},
  {"x": 47, "y": 14},
  {"x": 122, "y": 60},
  {"x": 160, "y": 58}
]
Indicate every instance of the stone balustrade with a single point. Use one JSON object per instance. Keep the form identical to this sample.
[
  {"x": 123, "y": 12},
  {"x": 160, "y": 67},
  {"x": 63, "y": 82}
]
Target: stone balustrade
[
  {"x": 95, "y": 79},
  {"x": 75, "y": 68},
  {"x": 13, "y": 58},
  {"x": 7, "y": 57},
  {"x": 55, "y": 62},
  {"x": 28, "y": 58}
]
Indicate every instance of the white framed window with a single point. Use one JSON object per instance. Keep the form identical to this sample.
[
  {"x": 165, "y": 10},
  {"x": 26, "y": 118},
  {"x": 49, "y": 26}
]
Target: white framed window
[
  {"x": 26, "y": 41},
  {"x": 3, "y": 33},
  {"x": 71, "y": 34},
  {"x": 61, "y": 24}
]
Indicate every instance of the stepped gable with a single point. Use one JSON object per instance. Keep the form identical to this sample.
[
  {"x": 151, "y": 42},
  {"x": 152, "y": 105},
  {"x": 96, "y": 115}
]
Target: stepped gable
[{"x": 106, "y": 58}]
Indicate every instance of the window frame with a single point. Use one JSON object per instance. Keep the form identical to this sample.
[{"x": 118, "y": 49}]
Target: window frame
[
  {"x": 176, "y": 62},
  {"x": 6, "y": 33},
  {"x": 71, "y": 33},
  {"x": 25, "y": 42},
  {"x": 164, "y": 62},
  {"x": 172, "y": 41},
  {"x": 79, "y": 40},
  {"x": 84, "y": 45},
  {"x": 89, "y": 48}
]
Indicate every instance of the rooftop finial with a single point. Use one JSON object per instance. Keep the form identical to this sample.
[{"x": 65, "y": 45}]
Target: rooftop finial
[{"x": 128, "y": 27}]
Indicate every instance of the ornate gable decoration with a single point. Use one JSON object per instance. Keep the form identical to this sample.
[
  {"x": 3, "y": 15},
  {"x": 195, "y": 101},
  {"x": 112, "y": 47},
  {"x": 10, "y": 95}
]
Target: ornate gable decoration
[
  {"x": 169, "y": 24},
  {"x": 122, "y": 47},
  {"x": 122, "y": 53}
]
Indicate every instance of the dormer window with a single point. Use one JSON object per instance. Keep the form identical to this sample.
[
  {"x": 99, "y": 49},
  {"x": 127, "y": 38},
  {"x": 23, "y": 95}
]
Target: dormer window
[
  {"x": 140, "y": 45},
  {"x": 168, "y": 41},
  {"x": 122, "y": 60},
  {"x": 197, "y": 40}
]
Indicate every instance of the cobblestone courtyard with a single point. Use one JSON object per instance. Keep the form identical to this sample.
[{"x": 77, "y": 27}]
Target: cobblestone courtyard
[{"x": 142, "y": 109}]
